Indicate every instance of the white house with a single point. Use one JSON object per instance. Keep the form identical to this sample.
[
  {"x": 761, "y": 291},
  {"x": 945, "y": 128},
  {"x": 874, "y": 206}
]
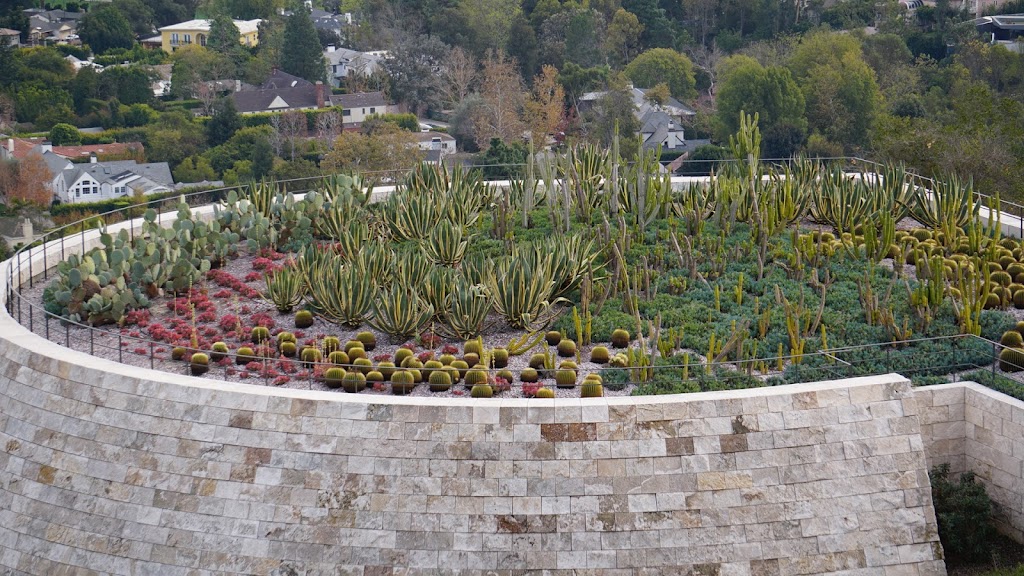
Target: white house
[
  {"x": 355, "y": 108},
  {"x": 109, "y": 180},
  {"x": 437, "y": 145}
]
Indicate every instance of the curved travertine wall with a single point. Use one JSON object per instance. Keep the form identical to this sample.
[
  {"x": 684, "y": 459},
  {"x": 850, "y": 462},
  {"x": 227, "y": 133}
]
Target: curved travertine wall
[{"x": 112, "y": 469}]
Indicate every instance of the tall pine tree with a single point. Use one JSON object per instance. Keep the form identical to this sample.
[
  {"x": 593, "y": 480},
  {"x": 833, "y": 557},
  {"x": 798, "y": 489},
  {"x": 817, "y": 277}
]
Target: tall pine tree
[{"x": 301, "y": 53}]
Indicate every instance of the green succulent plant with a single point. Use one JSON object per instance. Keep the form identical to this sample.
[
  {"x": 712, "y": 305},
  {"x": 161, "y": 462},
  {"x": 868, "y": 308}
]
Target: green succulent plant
[
  {"x": 402, "y": 382},
  {"x": 368, "y": 340},
  {"x": 288, "y": 349},
  {"x": 260, "y": 334},
  {"x": 333, "y": 377},
  {"x": 476, "y": 376},
  {"x": 481, "y": 391},
  {"x": 620, "y": 338},
  {"x": 330, "y": 344},
  {"x": 363, "y": 365},
  {"x": 338, "y": 357},
  {"x": 499, "y": 358},
  {"x": 440, "y": 381},
  {"x": 565, "y": 378},
  {"x": 591, "y": 389},
  {"x": 529, "y": 375},
  {"x": 199, "y": 364},
  {"x": 544, "y": 393},
  {"x": 218, "y": 351},
  {"x": 244, "y": 355},
  {"x": 566, "y": 348},
  {"x": 354, "y": 382},
  {"x": 599, "y": 355},
  {"x": 311, "y": 355},
  {"x": 178, "y": 353},
  {"x": 303, "y": 319},
  {"x": 1012, "y": 338}
]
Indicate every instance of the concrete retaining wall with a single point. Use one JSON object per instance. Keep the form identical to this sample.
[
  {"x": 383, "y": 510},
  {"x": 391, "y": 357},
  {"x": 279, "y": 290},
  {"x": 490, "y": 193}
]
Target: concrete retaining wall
[
  {"x": 111, "y": 469},
  {"x": 971, "y": 427}
]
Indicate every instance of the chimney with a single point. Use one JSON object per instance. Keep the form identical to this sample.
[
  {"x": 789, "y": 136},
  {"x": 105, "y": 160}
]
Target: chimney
[
  {"x": 331, "y": 48},
  {"x": 92, "y": 158},
  {"x": 319, "y": 94},
  {"x": 46, "y": 147},
  {"x": 238, "y": 85}
]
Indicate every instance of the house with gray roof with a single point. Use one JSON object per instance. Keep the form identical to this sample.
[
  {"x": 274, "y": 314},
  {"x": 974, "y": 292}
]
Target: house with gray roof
[
  {"x": 660, "y": 124},
  {"x": 108, "y": 180},
  {"x": 343, "y": 62},
  {"x": 281, "y": 92},
  {"x": 355, "y": 108}
]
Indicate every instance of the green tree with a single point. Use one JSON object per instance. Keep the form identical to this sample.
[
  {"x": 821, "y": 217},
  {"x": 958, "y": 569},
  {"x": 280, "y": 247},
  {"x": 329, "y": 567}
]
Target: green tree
[
  {"x": 523, "y": 46},
  {"x": 65, "y": 135},
  {"x": 771, "y": 93},
  {"x": 105, "y": 28},
  {"x": 623, "y": 38},
  {"x": 657, "y": 32},
  {"x": 224, "y": 40},
  {"x": 577, "y": 80},
  {"x": 194, "y": 169},
  {"x": 489, "y": 22},
  {"x": 614, "y": 110},
  {"x": 502, "y": 161},
  {"x": 223, "y": 123},
  {"x": 840, "y": 91},
  {"x": 84, "y": 87},
  {"x": 304, "y": 56},
  {"x": 664, "y": 65},
  {"x": 138, "y": 14},
  {"x": 130, "y": 85}
]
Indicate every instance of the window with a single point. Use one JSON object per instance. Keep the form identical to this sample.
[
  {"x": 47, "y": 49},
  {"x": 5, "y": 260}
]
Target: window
[
  {"x": 188, "y": 38},
  {"x": 373, "y": 110},
  {"x": 174, "y": 38},
  {"x": 346, "y": 112},
  {"x": 95, "y": 190}
]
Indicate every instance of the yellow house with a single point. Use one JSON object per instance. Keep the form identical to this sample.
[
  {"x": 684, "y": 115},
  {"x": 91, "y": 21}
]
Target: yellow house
[{"x": 197, "y": 31}]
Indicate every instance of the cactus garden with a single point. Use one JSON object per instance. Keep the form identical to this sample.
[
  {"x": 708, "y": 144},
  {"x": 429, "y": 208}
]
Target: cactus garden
[{"x": 586, "y": 276}]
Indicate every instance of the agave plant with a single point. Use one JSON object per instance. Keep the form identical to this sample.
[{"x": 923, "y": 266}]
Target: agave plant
[
  {"x": 445, "y": 246},
  {"x": 376, "y": 261},
  {"x": 470, "y": 305},
  {"x": 262, "y": 195},
  {"x": 522, "y": 292},
  {"x": 437, "y": 289},
  {"x": 841, "y": 202},
  {"x": 343, "y": 294},
  {"x": 411, "y": 268},
  {"x": 285, "y": 289},
  {"x": 948, "y": 206},
  {"x": 400, "y": 312},
  {"x": 410, "y": 217}
]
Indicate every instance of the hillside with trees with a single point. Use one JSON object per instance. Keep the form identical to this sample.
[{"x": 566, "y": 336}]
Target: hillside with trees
[{"x": 856, "y": 78}]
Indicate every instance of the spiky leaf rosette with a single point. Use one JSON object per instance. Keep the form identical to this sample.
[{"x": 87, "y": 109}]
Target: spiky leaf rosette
[{"x": 400, "y": 312}]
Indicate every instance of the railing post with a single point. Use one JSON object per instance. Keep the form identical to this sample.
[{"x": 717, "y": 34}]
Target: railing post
[
  {"x": 92, "y": 341},
  {"x": 150, "y": 354},
  {"x": 31, "y": 280},
  {"x": 46, "y": 267},
  {"x": 67, "y": 335},
  {"x": 995, "y": 360},
  {"x": 120, "y": 349}
]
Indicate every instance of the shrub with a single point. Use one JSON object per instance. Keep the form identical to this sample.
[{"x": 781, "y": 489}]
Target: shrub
[{"x": 964, "y": 513}]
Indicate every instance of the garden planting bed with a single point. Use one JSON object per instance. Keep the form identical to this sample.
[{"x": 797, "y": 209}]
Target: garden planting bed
[{"x": 755, "y": 278}]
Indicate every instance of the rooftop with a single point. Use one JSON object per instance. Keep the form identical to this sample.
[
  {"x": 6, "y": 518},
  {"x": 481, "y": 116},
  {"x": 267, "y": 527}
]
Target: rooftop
[{"x": 244, "y": 26}]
